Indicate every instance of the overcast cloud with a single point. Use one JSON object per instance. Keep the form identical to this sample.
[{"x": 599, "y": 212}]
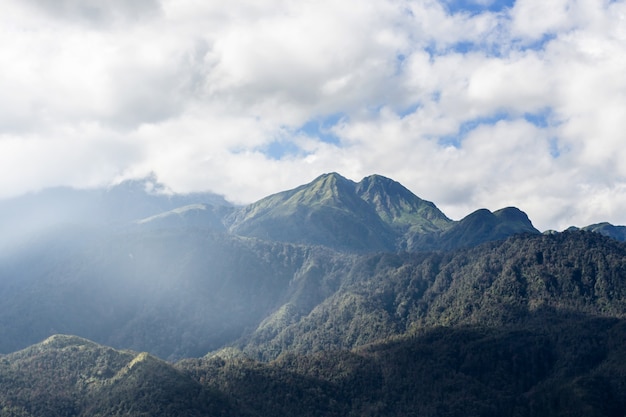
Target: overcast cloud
[{"x": 468, "y": 103}]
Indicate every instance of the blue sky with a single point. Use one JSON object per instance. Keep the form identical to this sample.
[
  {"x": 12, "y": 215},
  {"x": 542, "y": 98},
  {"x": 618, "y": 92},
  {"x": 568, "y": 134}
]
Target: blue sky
[
  {"x": 469, "y": 104},
  {"x": 477, "y": 6}
]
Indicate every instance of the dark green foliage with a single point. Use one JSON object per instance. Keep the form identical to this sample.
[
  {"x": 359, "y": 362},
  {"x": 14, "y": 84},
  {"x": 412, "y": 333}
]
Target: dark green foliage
[
  {"x": 501, "y": 284},
  {"x": 529, "y": 325},
  {"x": 563, "y": 367},
  {"x": 68, "y": 376}
]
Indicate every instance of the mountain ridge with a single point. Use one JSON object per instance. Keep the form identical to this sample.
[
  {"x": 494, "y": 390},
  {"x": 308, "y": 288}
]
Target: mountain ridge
[
  {"x": 159, "y": 281},
  {"x": 375, "y": 214},
  {"x": 530, "y": 326},
  {"x": 326, "y": 211}
]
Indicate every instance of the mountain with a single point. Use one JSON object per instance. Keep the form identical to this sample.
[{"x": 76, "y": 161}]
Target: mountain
[
  {"x": 485, "y": 226},
  {"x": 327, "y": 212},
  {"x": 498, "y": 284},
  {"x": 30, "y": 216},
  {"x": 531, "y": 326},
  {"x": 376, "y": 214},
  {"x": 184, "y": 281},
  {"x": 71, "y": 376},
  {"x": 400, "y": 208},
  {"x": 607, "y": 229},
  {"x": 334, "y": 298}
]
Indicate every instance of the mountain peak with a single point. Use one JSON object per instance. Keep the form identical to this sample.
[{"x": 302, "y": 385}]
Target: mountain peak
[
  {"x": 62, "y": 341},
  {"x": 399, "y": 207},
  {"x": 330, "y": 176},
  {"x": 327, "y": 211},
  {"x": 374, "y": 214},
  {"x": 511, "y": 214},
  {"x": 324, "y": 187},
  {"x": 607, "y": 229},
  {"x": 482, "y": 226}
]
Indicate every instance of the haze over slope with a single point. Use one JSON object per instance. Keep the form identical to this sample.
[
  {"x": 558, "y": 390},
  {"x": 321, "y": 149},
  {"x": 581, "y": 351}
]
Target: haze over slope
[
  {"x": 356, "y": 298},
  {"x": 182, "y": 275},
  {"x": 531, "y": 326},
  {"x": 207, "y": 274}
]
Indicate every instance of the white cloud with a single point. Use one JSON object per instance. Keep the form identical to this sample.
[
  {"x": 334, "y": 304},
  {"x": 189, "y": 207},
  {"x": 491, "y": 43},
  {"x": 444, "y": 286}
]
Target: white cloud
[
  {"x": 535, "y": 18},
  {"x": 93, "y": 92},
  {"x": 92, "y": 12},
  {"x": 519, "y": 84}
]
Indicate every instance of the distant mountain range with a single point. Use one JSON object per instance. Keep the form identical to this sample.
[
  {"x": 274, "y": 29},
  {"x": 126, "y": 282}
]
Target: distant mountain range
[
  {"x": 336, "y": 298},
  {"x": 375, "y": 214}
]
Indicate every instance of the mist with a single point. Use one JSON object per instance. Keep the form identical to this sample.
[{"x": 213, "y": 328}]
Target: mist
[{"x": 135, "y": 269}]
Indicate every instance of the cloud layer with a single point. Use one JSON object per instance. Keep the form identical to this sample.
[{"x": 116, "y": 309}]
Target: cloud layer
[{"x": 468, "y": 103}]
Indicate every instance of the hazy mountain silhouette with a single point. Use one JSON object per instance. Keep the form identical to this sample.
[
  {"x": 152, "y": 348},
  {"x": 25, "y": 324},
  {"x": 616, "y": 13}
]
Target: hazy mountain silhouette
[{"x": 334, "y": 298}]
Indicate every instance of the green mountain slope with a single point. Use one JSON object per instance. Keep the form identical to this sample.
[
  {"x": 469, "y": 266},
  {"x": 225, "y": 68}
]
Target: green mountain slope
[
  {"x": 476, "y": 228},
  {"x": 326, "y": 212},
  {"x": 568, "y": 366},
  {"x": 534, "y": 325},
  {"x": 70, "y": 376},
  {"x": 376, "y": 214},
  {"x": 400, "y": 208},
  {"x": 496, "y": 284}
]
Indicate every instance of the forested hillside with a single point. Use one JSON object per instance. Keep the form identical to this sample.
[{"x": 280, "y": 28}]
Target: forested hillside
[
  {"x": 70, "y": 376},
  {"x": 335, "y": 298},
  {"x": 170, "y": 292},
  {"x": 570, "y": 366},
  {"x": 180, "y": 282},
  {"x": 504, "y": 284}
]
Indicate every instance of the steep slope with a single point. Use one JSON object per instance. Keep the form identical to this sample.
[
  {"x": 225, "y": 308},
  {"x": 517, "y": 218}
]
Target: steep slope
[
  {"x": 174, "y": 293},
  {"x": 375, "y": 214},
  {"x": 326, "y": 212},
  {"x": 476, "y": 228},
  {"x": 497, "y": 284},
  {"x": 399, "y": 207}
]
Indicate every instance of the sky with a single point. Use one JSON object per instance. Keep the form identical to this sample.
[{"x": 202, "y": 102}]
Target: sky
[{"x": 468, "y": 103}]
